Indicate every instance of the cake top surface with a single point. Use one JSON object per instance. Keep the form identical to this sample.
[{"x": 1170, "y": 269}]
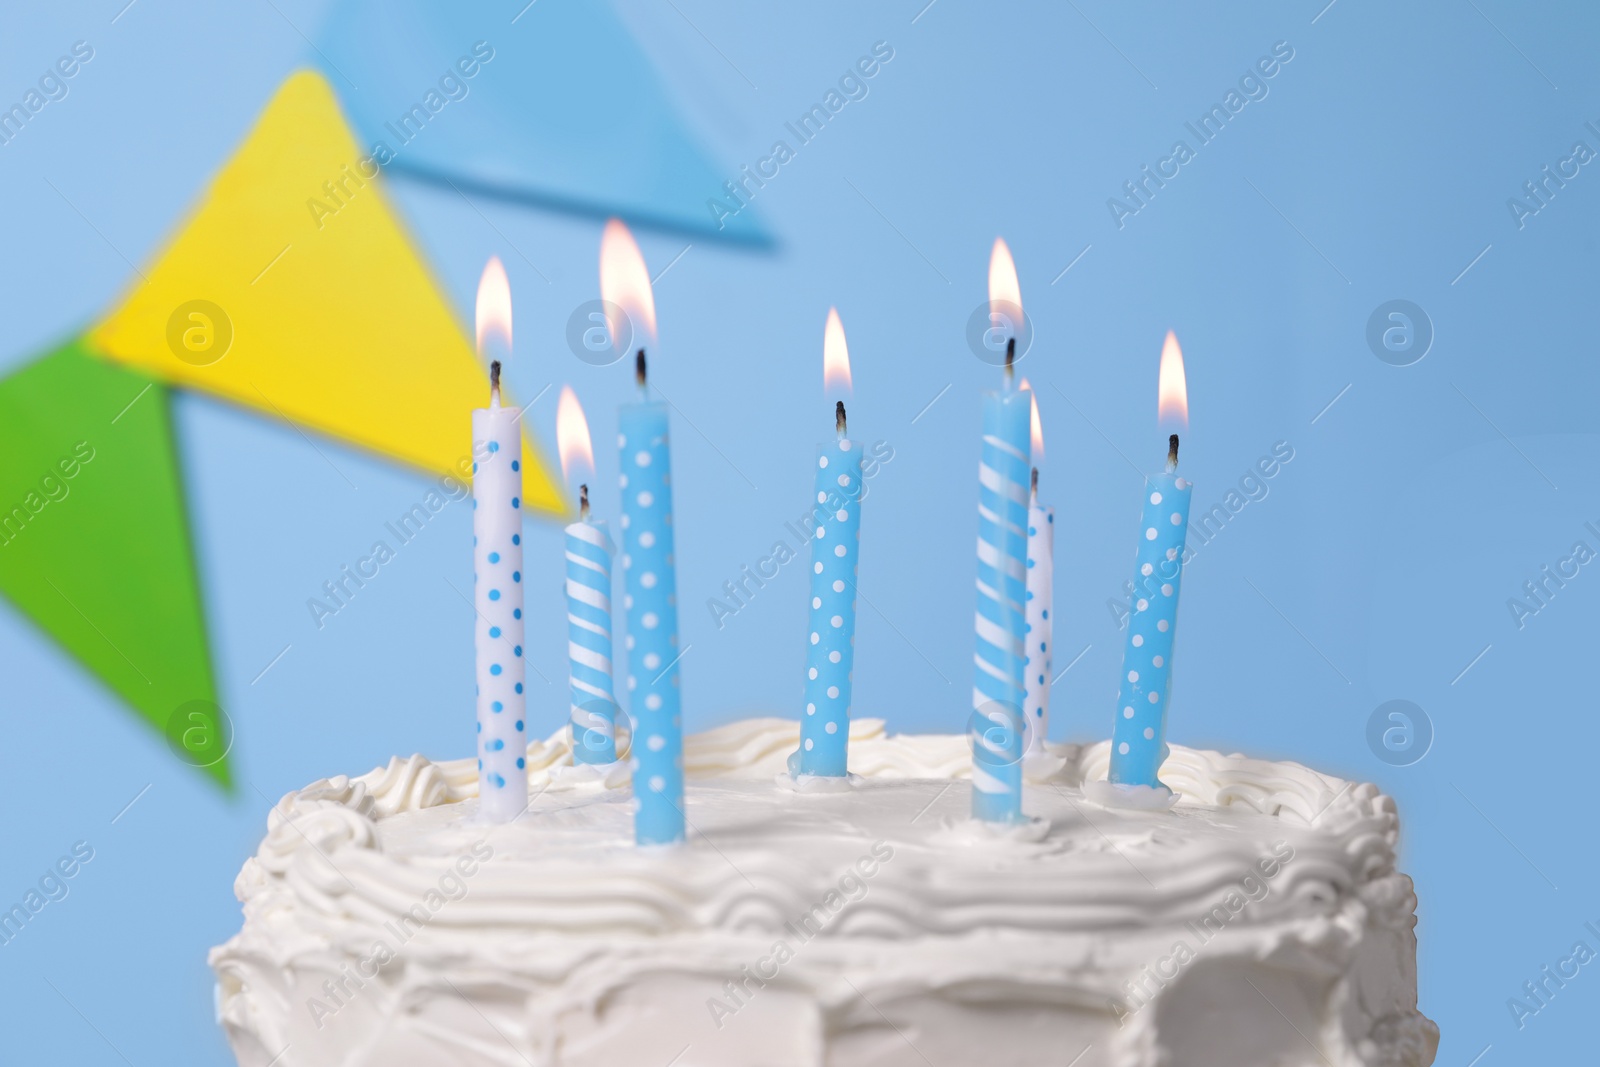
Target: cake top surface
[{"x": 344, "y": 855}]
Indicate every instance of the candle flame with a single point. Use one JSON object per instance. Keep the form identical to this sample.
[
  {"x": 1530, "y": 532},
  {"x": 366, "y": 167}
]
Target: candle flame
[
  {"x": 1005, "y": 294},
  {"x": 1035, "y": 430},
  {"x": 1172, "y": 407},
  {"x": 572, "y": 435},
  {"x": 493, "y": 313},
  {"x": 835, "y": 356},
  {"x": 625, "y": 283}
]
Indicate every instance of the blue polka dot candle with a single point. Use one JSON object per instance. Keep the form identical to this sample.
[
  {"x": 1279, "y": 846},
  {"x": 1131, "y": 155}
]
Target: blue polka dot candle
[
  {"x": 650, "y": 600},
  {"x": 497, "y": 596},
  {"x": 651, "y": 603},
  {"x": 588, "y": 593},
  {"x": 835, "y": 549},
  {"x": 1138, "y": 740}
]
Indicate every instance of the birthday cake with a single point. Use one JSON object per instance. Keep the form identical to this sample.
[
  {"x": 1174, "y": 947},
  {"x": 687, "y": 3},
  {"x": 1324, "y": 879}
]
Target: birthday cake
[{"x": 1261, "y": 921}]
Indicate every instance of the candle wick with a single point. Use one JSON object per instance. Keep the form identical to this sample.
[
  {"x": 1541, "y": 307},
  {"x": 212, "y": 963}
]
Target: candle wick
[
  {"x": 639, "y": 374},
  {"x": 1033, "y": 487},
  {"x": 583, "y": 502},
  {"x": 1011, "y": 359},
  {"x": 839, "y": 419},
  {"x": 1172, "y": 453},
  {"x": 494, "y": 383}
]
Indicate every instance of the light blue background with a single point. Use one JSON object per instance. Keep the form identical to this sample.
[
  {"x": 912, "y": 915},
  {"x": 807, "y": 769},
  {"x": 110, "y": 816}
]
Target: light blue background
[{"x": 1377, "y": 568}]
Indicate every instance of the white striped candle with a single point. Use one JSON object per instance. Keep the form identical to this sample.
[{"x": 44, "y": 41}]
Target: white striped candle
[
  {"x": 998, "y": 691},
  {"x": 593, "y": 704},
  {"x": 588, "y": 587}
]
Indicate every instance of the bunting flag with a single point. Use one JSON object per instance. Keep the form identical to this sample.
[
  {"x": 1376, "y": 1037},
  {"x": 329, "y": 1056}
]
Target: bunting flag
[
  {"x": 294, "y": 291},
  {"x": 94, "y": 542},
  {"x": 291, "y": 290},
  {"x": 553, "y": 104}
]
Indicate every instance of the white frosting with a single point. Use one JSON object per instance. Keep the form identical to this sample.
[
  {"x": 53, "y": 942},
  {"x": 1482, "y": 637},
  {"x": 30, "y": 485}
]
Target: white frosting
[
  {"x": 554, "y": 940},
  {"x": 1122, "y": 795}
]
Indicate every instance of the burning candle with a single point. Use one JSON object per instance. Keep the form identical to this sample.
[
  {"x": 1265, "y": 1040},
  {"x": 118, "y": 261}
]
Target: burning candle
[
  {"x": 588, "y": 589},
  {"x": 650, "y": 601},
  {"x": 1138, "y": 742},
  {"x": 497, "y": 572},
  {"x": 997, "y": 722},
  {"x": 1040, "y": 584},
  {"x": 830, "y": 648}
]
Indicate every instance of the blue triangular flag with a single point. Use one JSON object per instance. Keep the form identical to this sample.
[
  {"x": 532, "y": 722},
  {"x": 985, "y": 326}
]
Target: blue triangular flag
[{"x": 552, "y": 103}]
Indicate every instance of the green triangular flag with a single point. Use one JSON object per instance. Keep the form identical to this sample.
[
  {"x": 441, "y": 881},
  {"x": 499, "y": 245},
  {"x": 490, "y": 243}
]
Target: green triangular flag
[{"x": 94, "y": 541}]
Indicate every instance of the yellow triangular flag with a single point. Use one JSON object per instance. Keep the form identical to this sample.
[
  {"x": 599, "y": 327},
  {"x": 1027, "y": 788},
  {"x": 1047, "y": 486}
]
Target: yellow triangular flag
[{"x": 293, "y": 290}]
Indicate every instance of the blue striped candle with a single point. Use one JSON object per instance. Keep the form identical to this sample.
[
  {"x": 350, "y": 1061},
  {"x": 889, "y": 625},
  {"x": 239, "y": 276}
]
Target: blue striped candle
[
  {"x": 650, "y": 602},
  {"x": 1138, "y": 742},
  {"x": 830, "y": 647},
  {"x": 998, "y": 689},
  {"x": 588, "y": 587},
  {"x": 497, "y": 596}
]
